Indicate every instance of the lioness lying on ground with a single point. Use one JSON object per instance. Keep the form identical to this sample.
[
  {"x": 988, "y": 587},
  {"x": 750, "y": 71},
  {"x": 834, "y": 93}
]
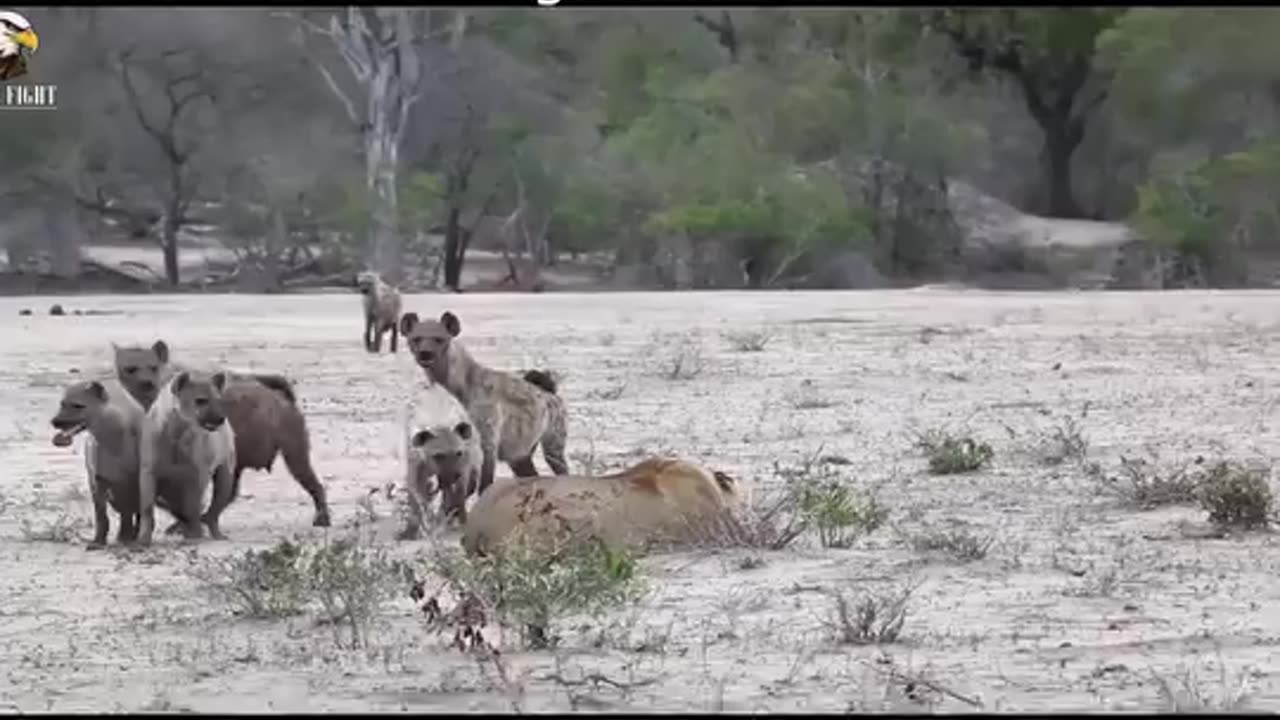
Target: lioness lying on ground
[{"x": 657, "y": 501}]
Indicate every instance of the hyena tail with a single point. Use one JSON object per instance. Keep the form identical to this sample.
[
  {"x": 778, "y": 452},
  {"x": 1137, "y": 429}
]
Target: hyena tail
[
  {"x": 541, "y": 379},
  {"x": 280, "y": 384}
]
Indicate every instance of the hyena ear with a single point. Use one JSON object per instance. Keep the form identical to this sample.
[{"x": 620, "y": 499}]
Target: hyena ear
[
  {"x": 180, "y": 381},
  {"x": 161, "y": 350},
  {"x": 408, "y": 322},
  {"x": 422, "y": 437},
  {"x": 219, "y": 380},
  {"x": 451, "y": 323},
  {"x": 463, "y": 430},
  {"x": 97, "y": 390}
]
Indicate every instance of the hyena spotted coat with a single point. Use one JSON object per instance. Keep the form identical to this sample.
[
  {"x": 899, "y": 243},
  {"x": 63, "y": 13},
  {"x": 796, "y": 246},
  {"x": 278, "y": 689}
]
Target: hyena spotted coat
[
  {"x": 114, "y": 422},
  {"x": 187, "y": 442},
  {"x": 262, "y": 409},
  {"x": 381, "y": 303},
  {"x": 512, "y": 415},
  {"x": 443, "y": 457}
]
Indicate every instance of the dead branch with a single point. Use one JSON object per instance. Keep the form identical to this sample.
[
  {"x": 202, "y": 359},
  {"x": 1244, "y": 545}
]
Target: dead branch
[
  {"x": 896, "y": 674},
  {"x": 596, "y": 680}
]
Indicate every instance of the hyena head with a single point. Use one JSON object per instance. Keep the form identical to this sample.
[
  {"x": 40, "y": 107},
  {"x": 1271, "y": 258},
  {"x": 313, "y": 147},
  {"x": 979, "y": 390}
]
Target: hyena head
[
  {"x": 80, "y": 403},
  {"x": 448, "y": 452},
  {"x": 140, "y": 369},
  {"x": 367, "y": 282},
  {"x": 199, "y": 398},
  {"x": 429, "y": 339}
]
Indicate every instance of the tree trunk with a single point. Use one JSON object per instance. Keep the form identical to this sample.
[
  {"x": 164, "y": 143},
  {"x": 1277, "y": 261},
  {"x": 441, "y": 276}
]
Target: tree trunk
[
  {"x": 381, "y": 162},
  {"x": 169, "y": 244},
  {"x": 1060, "y": 143},
  {"x": 454, "y": 252},
  {"x": 62, "y": 230},
  {"x": 277, "y": 239}
]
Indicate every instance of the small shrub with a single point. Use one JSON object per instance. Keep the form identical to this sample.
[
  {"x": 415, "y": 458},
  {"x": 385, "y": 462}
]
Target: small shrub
[
  {"x": 1185, "y": 692},
  {"x": 958, "y": 543},
  {"x": 680, "y": 357},
  {"x": 949, "y": 455},
  {"x": 771, "y": 524},
  {"x": 63, "y": 528},
  {"x": 871, "y": 619},
  {"x": 838, "y": 513},
  {"x": 350, "y": 580},
  {"x": 612, "y": 392},
  {"x": 531, "y": 589},
  {"x": 748, "y": 340},
  {"x": 1140, "y": 486},
  {"x": 1236, "y": 497},
  {"x": 814, "y": 497},
  {"x": 267, "y": 583},
  {"x": 808, "y": 398},
  {"x": 1063, "y": 443}
]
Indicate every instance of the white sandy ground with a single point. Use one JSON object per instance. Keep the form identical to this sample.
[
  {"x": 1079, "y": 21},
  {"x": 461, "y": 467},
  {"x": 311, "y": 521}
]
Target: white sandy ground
[{"x": 1174, "y": 373}]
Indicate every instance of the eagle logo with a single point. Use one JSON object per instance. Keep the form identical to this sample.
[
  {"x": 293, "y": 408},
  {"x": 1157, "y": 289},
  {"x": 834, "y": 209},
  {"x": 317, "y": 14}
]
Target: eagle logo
[{"x": 17, "y": 42}]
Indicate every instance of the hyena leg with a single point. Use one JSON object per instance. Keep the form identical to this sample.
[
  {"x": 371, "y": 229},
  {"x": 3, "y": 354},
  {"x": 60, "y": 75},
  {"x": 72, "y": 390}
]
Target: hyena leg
[
  {"x": 222, "y": 484},
  {"x": 296, "y": 451},
  {"x": 553, "y": 442},
  {"x": 395, "y": 335},
  {"x": 128, "y": 531},
  {"x": 413, "y": 524},
  {"x": 487, "y": 468},
  {"x": 368, "y": 333},
  {"x": 101, "y": 522},
  {"x": 523, "y": 467}
]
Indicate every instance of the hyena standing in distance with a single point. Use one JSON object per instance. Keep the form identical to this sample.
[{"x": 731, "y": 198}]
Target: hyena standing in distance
[
  {"x": 511, "y": 415},
  {"x": 381, "y": 310}
]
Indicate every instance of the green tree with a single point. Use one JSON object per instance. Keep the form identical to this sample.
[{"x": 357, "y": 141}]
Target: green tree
[{"x": 1049, "y": 54}]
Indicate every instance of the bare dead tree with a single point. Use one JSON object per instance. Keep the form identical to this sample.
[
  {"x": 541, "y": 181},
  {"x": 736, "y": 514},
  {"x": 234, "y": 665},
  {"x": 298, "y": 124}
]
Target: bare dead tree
[
  {"x": 378, "y": 46},
  {"x": 183, "y": 82},
  {"x": 526, "y": 240}
]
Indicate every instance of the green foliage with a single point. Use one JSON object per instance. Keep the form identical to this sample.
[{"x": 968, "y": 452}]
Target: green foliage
[
  {"x": 348, "y": 578},
  {"x": 1215, "y": 212},
  {"x": 1236, "y": 497},
  {"x": 838, "y": 513},
  {"x": 1037, "y": 35},
  {"x": 950, "y": 455},
  {"x": 267, "y": 583},
  {"x": 530, "y": 588},
  {"x": 1177, "y": 68}
]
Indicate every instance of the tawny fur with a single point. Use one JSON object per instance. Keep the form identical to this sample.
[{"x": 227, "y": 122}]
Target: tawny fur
[
  {"x": 261, "y": 408},
  {"x": 657, "y": 501},
  {"x": 113, "y": 420},
  {"x": 381, "y": 303},
  {"x": 187, "y": 441},
  {"x": 442, "y": 457},
  {"x": 511, "y": 414}
]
